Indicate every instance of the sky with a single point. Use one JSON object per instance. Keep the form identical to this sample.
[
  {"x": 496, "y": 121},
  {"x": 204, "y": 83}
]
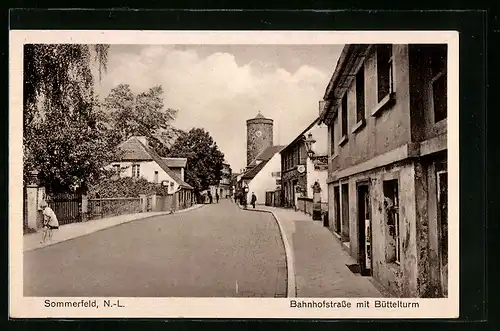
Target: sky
[{"x": 219, "y": 87}]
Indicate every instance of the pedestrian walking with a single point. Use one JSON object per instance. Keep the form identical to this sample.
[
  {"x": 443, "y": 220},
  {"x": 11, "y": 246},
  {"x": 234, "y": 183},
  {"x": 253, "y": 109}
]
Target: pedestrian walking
[
  {"x": 50, "y": 222},
  {"x": 254, "y": 200},
  {"x": 217, "y": 197},
  {"x": 210, "y": 198}
]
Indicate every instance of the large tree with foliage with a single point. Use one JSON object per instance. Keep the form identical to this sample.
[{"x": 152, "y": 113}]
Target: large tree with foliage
[
  {"x": 64, "y": 137},
  {"x": 143, "y": 114},
  {"x": 204, "y": 159}
]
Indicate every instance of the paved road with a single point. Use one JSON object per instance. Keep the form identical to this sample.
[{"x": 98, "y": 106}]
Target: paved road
[{"x": 214, "y": 251}]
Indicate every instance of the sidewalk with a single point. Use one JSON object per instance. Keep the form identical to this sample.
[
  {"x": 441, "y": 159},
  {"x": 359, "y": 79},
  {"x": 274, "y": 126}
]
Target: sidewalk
[
  {"x": 317, "y": 259},
  {"x": 74, "y": 230}
]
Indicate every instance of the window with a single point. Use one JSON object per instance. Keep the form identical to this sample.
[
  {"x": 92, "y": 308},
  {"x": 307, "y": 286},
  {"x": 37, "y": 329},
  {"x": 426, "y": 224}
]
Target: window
[
  {"x": 156, "y": 176},
  {"x": 384, "y": 71},
  {"x": 332, "y": 139},
  {"x": 360, "y": 94},
  {"x": 391, "y": 206},
  {"x": 439, "y": 80},
  {"x": 344, "y": 115},
  {"x": 116, "y": 169},
  {"x": 136, "y": 170}
]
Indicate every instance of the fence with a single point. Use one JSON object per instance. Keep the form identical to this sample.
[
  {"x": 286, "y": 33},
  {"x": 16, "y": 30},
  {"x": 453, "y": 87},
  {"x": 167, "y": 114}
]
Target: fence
[
  {"x": 104, "y": 207},
  {"x": 306, "y": 205},
  {"x": 273, "y": 198},
  {"x": 67, "y": 207},
  {"x": 177, "y": 201}
]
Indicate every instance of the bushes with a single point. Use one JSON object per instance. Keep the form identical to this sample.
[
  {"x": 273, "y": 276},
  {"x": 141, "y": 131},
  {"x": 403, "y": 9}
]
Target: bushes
[{"x": 125, "y": 187}]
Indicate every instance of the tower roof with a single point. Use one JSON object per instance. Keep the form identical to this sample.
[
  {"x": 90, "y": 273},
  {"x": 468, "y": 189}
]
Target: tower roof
[{"x": 259, "y": 115}]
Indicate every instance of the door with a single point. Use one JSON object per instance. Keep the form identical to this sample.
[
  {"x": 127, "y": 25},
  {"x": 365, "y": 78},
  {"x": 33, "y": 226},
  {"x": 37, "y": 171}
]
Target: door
[
  {"x": 336, "y": 206},
  {"x": 295, "y": 195},
  {"x": 365, "y": 232}
]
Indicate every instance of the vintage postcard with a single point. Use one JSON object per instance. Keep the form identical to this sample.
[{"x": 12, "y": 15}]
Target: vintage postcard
[{"x": 234, "y": 174}]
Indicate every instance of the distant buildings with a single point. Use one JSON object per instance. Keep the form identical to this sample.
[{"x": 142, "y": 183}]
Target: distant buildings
[
  {"x": 386, "y": 111},
  {"x": 224, "y": 188}
]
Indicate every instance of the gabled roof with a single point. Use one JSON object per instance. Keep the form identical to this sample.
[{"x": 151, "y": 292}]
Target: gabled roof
[
  {"x": 250, "y": 174},
  {"x": 175, "y": 162},
  {"x": 266, "y": 154},
  {"x": 300, "y": 135},
  {"x": 264, "y": 157},
  {"x": 134, "y": 149}
]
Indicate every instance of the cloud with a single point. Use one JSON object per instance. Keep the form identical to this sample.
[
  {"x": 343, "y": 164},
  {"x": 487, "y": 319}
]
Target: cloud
[{"x": 216, "y": 93}]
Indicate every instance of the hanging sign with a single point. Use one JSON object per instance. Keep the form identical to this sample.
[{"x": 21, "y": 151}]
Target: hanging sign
[{"x": 301, "y": 168}]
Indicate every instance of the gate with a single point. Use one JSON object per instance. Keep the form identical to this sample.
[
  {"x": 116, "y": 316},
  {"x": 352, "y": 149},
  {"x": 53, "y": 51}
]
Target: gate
[{"x": 66, "y": 206}]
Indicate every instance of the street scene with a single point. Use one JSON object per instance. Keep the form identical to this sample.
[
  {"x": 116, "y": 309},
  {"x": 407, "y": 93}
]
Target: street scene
[
  {"x": 270, "y": 171},
  {"x": 202, "y": 253}
]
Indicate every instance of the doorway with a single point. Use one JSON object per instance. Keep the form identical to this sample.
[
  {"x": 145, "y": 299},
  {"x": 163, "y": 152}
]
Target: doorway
[
  {"x": 336, "y": 206},
  {"x": 295, "y": 183},
  {"x": 364, "y": 230}
]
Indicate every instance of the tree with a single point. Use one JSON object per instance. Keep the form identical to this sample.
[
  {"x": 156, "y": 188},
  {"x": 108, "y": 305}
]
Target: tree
[
  {"x": 64, "y": 137},
  {"x": 204, "y": 159},
  {"x": 142, "y": 115},
  {"x": 71, "y": 151}
]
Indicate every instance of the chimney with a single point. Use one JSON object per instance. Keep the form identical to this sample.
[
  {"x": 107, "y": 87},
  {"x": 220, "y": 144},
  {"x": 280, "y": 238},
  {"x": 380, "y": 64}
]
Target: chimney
[{"x": 143, "y": 139}]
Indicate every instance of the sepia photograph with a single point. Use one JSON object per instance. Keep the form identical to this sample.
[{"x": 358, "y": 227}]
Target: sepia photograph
[{"x": 312, "y": 176}]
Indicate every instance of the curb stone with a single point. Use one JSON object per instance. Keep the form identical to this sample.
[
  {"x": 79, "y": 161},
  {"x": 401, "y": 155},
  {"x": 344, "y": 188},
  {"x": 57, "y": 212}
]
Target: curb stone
[{"x": 291, "y": 287}]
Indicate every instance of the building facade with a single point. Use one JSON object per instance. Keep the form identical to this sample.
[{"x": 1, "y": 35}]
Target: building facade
[
  {"x": 138, "y": 160},
  {"x": 299, "y": 171},
  {"x": 386, "y": 111},
  {"x": 224, "y": 189},
  {"x": 263, "y": 174},
  {"x": 259, "y": 136}
]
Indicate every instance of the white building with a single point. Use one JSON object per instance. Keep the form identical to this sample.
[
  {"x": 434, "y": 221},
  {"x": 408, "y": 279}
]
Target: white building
[
  {"x": 263, "y": 173},
  {"x": 138, "y": 160}
]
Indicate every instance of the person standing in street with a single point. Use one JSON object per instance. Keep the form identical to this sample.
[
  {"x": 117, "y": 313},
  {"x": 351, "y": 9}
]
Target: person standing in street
[
  {"x": 50, "y": 222},
  {"x": 210, "y": 198},
  {"x": 254, "y": 200},
  {"x": 217, "y": 197}
]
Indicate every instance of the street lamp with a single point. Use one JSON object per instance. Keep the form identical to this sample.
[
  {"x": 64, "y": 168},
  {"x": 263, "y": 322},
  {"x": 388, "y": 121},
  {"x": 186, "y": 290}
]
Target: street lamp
[{"x": 309, "y": 141}]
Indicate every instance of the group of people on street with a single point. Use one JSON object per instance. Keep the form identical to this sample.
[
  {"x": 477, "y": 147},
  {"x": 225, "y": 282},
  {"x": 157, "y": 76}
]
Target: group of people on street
[
  {"x": 241, "y": 198},
  {"x": 208, "y": 198}
]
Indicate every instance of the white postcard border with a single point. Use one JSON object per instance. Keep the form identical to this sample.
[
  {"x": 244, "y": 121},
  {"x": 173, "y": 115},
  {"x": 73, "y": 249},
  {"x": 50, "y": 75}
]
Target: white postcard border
[{"x": 29, "y": 307}]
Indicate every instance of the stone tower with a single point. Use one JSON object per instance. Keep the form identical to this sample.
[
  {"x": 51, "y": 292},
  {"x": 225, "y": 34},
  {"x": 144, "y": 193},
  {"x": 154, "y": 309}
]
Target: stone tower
[{"x": 259, "y": 136}]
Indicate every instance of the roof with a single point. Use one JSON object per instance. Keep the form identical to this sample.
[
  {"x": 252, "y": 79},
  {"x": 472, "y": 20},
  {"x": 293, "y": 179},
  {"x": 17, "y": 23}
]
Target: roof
[
  {"x": 134, "y": 149},
  {"x": 259, "y": 115},
  {"x": 266, "y": 154},
  {"x": 264, "y": 157},
  {"x": 351, "y": 56},
  {"x": 250, "y": 174},
  {"x": 175, "y": 162},
  {"x": 300, "y": 135}
]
